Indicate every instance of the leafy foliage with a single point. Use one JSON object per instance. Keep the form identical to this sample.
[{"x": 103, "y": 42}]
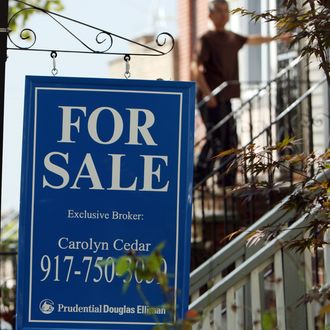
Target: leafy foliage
[
  {"x": 268, "y": 320},
  {"x": 321, "y": 295},
  {"x": 309, "y": 191},
  {"x": 309, "y": 23},
  {"x": 310, "y": 195},
  {"x": 148, "y": 268}
]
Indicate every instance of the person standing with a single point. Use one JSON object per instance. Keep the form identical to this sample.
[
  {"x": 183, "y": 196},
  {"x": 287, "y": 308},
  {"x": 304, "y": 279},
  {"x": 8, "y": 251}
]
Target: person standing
[{"x": 217, "y": 62}]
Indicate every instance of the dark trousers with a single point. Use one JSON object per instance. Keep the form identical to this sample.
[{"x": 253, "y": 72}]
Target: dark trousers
[{"x": 221, "y": 139}]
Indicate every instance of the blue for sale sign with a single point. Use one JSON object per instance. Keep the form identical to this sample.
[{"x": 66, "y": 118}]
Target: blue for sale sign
[{"x": 106, "y": 172}]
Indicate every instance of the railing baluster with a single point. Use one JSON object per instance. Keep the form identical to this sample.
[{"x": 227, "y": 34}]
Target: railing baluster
[
  {"x": 230, "y": 308},
  {"x": 327, "y": 269},
  {"x": 308, "y": 285},
  {"x": 215, "y": 222},
  {"x": 225, "y": 209},
  {"x": 255, "y": 299},
  {"x": 279, "y": 290},
  {"x": 194, "y": 230},
  {"x": 270, "y": 118},
  {"x": 239, "y": 299},
  {"x": 310, "y": 119},
  {"x": 250, "y": 120},
  {"x": 218, "y": 318},
  {"x": 203, "y": 220}
]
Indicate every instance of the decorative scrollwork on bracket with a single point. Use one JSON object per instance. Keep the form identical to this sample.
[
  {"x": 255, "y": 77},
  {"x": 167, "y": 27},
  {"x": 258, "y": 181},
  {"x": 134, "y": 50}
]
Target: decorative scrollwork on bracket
[
  {"x": 26, "y": 35},
  {"x": 162, "y": 36},
  {"x": 106, "y": 36},
  {"x": 164, "y": 40}
]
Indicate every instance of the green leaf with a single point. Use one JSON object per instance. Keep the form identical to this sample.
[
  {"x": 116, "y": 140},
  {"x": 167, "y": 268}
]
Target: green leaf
[
  {"x": 153, "y": 263},
  {"x": 229, "y": 152},
  {"x": 160, "y": 246},
  {"x": 163, "y": 280},
  {"x": 123, "y": 265}
]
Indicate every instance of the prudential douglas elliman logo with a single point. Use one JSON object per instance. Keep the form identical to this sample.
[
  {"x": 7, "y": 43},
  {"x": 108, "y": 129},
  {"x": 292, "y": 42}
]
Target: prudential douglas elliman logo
[{"x": 46, "y": 306}]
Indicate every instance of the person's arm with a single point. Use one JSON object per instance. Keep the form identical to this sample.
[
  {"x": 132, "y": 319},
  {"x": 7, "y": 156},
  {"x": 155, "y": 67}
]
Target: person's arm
[
  {"x": 198, "y": 75},
  {"x": 197, "y": 70},
  {"x": 258, "y": 39}
]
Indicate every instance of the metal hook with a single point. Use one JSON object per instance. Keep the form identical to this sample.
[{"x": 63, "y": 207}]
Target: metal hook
[
  {"x": 127, "y": 74},
  {"x": 53, "y": 55}
]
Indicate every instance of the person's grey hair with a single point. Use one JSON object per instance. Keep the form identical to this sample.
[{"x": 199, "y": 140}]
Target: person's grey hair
[{"x": 213, "y": 3}]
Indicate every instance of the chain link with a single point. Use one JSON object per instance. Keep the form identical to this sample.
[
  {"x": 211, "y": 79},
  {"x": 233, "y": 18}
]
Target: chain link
[
  {"x": 127, "y": 73},
  {"x": 53, "y": 55}
]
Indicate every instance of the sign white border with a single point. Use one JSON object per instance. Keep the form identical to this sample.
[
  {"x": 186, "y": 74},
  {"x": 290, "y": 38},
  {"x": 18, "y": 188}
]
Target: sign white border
[{"x": 37, "y": 89}]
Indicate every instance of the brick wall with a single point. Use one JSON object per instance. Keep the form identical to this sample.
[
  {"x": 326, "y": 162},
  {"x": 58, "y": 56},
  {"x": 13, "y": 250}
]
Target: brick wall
[
  {"x": 202, "y": 17},
  {"x": 184, "y": 37},
  {"x": 192, "y": 22}
]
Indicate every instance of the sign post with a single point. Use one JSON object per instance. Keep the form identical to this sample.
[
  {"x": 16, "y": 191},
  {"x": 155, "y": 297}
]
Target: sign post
[
  {"x": 107, "y": 170},
  {"x": 3, "y": 59}
]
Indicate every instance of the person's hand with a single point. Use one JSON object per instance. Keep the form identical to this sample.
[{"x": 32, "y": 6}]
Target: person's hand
[
  {"x": 212, "y": 102},
  {"x": 285, "y": 37}
]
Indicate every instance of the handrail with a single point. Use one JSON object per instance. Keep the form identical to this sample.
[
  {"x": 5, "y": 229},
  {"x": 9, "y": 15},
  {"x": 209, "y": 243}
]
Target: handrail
[
  {"x": 211, "y": 296},
  {"x": 218, "y": 89},
  {"x": 291, "y": 107},
  {"x": 224, "y": 257},
  {"x": 235, "y": 248},
  {"x": 214, "y": 92}
]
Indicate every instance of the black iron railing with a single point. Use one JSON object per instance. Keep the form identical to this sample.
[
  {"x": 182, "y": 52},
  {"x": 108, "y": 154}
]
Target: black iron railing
[{"x": 270, "y": 115}]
